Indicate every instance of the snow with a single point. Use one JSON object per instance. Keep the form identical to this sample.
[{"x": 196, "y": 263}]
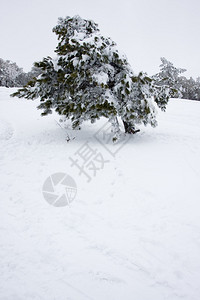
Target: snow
[
  {"x": 102, "y": 77},
  {"x": 132, "y": 232}
]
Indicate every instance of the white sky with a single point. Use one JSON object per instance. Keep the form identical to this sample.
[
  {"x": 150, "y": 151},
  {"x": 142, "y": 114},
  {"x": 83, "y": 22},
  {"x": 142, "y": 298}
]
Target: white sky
[{"x": 144, "y": 30}]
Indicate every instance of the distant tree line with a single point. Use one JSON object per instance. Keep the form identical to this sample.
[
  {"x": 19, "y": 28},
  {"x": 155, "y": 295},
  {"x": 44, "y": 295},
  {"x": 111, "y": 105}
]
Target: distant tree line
[
  {"x": 182, "y": 87},
  {"x": 13, "y": 76}
]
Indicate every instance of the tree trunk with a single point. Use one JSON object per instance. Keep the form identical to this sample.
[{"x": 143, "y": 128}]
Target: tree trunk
[{"x": 129, "y": 128}]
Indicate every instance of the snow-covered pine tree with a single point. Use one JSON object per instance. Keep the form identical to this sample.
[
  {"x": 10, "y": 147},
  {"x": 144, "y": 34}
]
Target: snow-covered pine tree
[
  {"x": 190, "y": 88},
  {"x": 169, "y": 77},
  {"x": 89, "y": 79},
  {"x": 11, "y": 75}
]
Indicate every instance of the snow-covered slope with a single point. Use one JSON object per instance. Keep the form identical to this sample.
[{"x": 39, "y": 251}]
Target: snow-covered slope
[{"x": 132, "y": 232}]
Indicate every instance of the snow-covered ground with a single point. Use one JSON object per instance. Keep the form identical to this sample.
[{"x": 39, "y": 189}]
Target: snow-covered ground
[{"x": 131, "y": 233}]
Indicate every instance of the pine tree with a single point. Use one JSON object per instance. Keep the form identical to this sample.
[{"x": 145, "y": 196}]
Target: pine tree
[
  {"x": 169, "y": 77},
  {"x": 89, "y": 79},
  {"x": 11, "y": 75},
  {"x": 190, "y": 88}
]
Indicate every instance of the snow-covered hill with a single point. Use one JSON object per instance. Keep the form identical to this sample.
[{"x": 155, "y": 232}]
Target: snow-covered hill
[{"x": 133, "y": 230}]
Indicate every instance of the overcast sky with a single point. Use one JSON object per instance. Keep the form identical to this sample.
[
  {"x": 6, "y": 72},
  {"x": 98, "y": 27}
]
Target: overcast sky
[{"x": 144, "y": 30}]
